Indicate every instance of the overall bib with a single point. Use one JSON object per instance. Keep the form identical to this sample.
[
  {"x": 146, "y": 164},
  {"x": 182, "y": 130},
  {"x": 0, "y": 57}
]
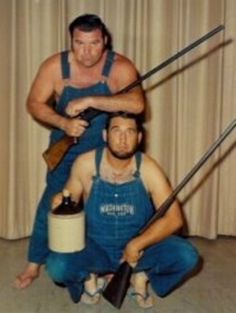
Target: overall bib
[
  {"x": 92, "y": 138},
  {"x": 114, "y": 214}
]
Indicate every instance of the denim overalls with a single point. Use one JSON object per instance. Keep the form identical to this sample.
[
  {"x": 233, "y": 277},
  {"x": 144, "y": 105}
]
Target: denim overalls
[
  {"x": 92, "y": 138},
  {"x": 114, "y": 214}
]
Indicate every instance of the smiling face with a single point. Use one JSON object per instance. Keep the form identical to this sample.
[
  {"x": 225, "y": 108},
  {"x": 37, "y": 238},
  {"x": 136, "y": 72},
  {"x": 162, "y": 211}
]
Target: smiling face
[
  {"x": 88, "y": 47},
  {"x": 122, "y": 137}
]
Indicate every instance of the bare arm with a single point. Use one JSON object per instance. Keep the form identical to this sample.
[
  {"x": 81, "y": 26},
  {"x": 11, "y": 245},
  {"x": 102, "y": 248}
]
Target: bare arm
[
  {"x": 159, "y": 188},
  {"x": 42, "y": 89},
  {"x": 80, "y": 180},
  {"x": 123, "y": 74},
  {"x": 74, "y": 184}
]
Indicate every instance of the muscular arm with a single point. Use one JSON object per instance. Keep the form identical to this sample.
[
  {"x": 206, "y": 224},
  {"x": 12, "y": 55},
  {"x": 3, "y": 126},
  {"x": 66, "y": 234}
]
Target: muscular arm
[
  {"x": 42, "y": 89},
  {"x": 74, "y": 183},
  {"x": 122, "y": 75},
  {"x": 80, "y": 180},
  {"x": 159, "y": 188},
  {"x": 131, "y": 102}
]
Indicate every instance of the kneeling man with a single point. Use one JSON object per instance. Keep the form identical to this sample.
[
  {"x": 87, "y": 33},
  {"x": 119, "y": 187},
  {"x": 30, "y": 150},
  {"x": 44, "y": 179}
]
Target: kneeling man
[{"x": 121, "y": 189}]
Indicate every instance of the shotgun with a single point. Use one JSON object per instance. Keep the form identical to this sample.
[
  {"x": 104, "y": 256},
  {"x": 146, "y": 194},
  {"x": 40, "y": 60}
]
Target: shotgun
[
  {"x": 117, "y": 288},
  {"x": 55, "y": 153}
]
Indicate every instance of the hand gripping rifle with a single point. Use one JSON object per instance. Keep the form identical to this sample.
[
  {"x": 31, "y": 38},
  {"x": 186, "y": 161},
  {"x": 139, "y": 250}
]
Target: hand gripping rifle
[
  {"x": 55, "y": 153},
  {"x": 119, "y": 284}
]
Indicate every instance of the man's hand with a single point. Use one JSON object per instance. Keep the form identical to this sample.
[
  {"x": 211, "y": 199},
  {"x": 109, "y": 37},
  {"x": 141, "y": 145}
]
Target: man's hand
[
  {"x": 74, "y": 127},
  {"x": 56, "y": 200},
  {"x": 77, "y": 106},
  {"x": 132, "y": 252}
]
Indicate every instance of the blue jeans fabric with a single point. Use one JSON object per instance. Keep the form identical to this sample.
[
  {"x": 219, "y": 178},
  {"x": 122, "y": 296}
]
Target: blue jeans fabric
[
  {"x": 91, "y": 139},
  {"x": 166, "y": 264},
  {"x": 116, "y": 212},
  {"x": 114, "y": 215}
]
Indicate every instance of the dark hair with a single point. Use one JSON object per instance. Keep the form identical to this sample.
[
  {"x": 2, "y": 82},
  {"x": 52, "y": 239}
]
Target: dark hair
[
  {"x": 89, "y": 22},
  {"x": 138, "y": 118}
]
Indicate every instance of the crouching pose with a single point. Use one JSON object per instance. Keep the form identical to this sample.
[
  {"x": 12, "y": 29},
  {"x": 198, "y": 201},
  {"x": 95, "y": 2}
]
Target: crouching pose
[{"x": 121, "y": 187}]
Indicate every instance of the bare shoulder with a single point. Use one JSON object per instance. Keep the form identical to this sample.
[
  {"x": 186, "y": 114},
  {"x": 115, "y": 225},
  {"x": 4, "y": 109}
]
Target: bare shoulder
[
  {"x": 48, "y": 79},
  {"x": 51, "y": 65},
  {"x": 151, "y": 172},
  {"x": 123, "y": 72},
  {"x": 122, "y": 63},
  {"x": 120, "y": 59},
  {"x": 85, "y": 163},
  {"x": 149, "y": 163}
]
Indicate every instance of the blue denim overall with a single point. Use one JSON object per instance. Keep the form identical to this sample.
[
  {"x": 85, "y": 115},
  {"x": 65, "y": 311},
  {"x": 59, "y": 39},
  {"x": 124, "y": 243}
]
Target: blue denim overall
[
  {"x": 92, "y": 138},
  {"x": 114, "y": 214}
]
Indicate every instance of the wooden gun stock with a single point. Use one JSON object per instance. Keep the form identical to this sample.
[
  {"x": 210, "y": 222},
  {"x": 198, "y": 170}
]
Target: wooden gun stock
[
  {"x": 55, "y": 153},
  {"x": 116, "y": 289}
]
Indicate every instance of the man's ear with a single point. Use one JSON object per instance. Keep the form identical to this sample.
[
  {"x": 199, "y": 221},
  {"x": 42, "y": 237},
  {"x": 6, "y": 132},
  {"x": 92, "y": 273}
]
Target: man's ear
[
  {"x": 105, "y": 40},
  {"x": 104, "y": 135}
]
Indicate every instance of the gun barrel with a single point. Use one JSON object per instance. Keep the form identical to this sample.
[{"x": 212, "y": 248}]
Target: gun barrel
[
  {"x": 117, "y": 287},
  {"x": 53, "y": 158}
]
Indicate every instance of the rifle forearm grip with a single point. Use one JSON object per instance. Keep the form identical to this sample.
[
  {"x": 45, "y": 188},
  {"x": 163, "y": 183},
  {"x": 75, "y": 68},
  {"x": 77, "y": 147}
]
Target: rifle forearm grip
[{"x": 89, "y": 114}]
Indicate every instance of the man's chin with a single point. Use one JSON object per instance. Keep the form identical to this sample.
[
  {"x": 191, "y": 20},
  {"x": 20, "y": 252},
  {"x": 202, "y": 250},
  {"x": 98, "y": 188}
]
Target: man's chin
[
  {"x": 90, "y": 63},
  {"x": 123, "y": 155}
]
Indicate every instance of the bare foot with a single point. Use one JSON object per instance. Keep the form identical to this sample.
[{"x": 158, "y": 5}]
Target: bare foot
[
  {"x": 139, "y": 282},
  {"x": 26, "y": 278},
  {"x": 92, "y": 290}
]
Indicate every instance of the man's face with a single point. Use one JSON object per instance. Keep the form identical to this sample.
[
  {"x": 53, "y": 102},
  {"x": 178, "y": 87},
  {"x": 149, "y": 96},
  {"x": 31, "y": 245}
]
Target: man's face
[
  {"x": 88, "y": 47},
  {"x": 122, "y": 137}
]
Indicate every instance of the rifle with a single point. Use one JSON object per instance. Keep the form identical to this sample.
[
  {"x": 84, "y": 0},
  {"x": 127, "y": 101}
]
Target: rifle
[
  {"x": 55, "y": 153},
  {"x": 117, "y": 288}
]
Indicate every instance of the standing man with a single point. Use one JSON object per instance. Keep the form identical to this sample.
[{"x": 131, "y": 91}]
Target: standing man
[
  {"x": 87, "y": 76},
  {"x": 121, "y": 187}
]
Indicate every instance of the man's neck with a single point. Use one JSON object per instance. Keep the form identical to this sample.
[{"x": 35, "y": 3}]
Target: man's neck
[
  {"x": 116, "y": 163},
  {"x": 81, "y": 67},
  {"x": 86, "y": 76},
  {"x": 116, "y": 170}
]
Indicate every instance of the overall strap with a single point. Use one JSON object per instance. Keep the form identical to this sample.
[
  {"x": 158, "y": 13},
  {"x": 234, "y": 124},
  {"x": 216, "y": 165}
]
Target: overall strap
[
  {"x": 65, "y": 66},
  {"x": 108, "y": 64},
  {"x": 98, "y": 158},
  {"x": 138, "y": 158}
]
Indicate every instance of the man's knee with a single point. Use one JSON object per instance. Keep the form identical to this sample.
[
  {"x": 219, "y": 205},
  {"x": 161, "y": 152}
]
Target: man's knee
[
  {"x": 56, "y": 268},
  {"x": 190, "y": 258}
]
